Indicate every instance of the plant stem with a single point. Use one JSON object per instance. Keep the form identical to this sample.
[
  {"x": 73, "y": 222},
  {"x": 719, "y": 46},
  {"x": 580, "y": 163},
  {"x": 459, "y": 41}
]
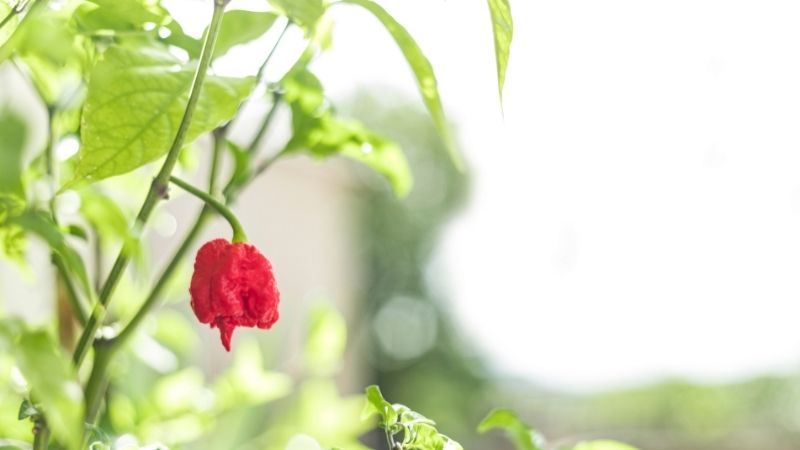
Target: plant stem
[
  {"x": 260, "y": 73},
  {"x": 158, "y": 188},
  {"x": 72, "y": 292},
  {"x": 50, "y": 162},
  {"x": 259, "y": 79},
  {"x": 97, "y": 252},
  {"x": 188, "y": 240},
  {"x": 262, "y": 130},
  {"x": 98, "y": 379},
  {"x": 41, "y": 436},
  {"x": 238, "y": 231}
]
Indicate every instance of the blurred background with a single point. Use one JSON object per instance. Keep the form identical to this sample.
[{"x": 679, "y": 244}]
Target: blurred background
[{"x": 619, "y": 259}]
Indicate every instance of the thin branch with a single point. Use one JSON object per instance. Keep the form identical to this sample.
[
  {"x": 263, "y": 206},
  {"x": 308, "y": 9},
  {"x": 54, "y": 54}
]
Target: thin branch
[{"x": 259, "y": 79}]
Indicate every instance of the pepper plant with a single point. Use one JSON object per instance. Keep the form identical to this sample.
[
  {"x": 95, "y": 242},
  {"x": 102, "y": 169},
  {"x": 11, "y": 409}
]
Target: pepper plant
[{"x": 123, "y": 82}]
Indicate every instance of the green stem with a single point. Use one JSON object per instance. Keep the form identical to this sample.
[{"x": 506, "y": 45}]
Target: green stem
[
  {"x": 259, "y": 79},
  {"x": 188, "y": 240},
  {"x": 157, "y": 190},
  {"x": 262, "y": 130},
  {"x": 50, "y": 162},
  {"x": 98, "y": 379},
  {"x": 41, "y": 436},
  {"x": 262, "y": 68},
  {"x": 72, "y": 292},
  {"x": 97, "y": 251},
  {"x": 238, "y": 231}
]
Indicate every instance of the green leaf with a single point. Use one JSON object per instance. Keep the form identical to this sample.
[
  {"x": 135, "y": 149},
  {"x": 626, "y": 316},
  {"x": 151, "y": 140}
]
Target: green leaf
[
  {"x": 180, "y": 39},
  {"x": 136, "y": 100},
  {"x": 603, "y": 445},
  {"x": 305, "y": 13},
  {"x": 319, "y": 131},
  {"x": 14, "y": 132},
  {"x": 50, "y": 377},
  {"x": 111, "y": 222},
  {"x": 503, "y": 28},
  {"x": 26, "y": 409},
  {"x": 241, "y": 167},
  {"x": 377, "y": 153},
  {"x": 104, "y": 214},
  {"x": 523, "y": 437},
  {"x": 8, "y": 29},
  {"x": 239, "y": 27},
  {"x": 115, "y": 15},
  {"x": 45, "y": 32},
  {"x": 376, "y": 404},
  {"x": 423, "y": 71},
  {"x": 41, "y": 224},
  {"x": 247, "y": 383},
  {"x": 12, "y": 191},
  {"x": 12, "y": 242},
  {"x": 325, "y": 341}
]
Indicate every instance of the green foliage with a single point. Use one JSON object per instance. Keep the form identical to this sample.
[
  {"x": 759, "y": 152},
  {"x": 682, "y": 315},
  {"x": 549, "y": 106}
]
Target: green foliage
[
  {"x": 51, "y": 380},
  {"x": 524, "y": 438},
  {"x": 248, "y": 383},
  {"x": 12, "y": 192},
  {"x": 118, "y": 17},
  {"x": 326, "y": 340},
  {"x": 136, "y": 99},
  {"x": 305, "y": 13},
  {"x": 239, "y": 27},
  {"x": 503, "y": 28},
  {"x": 423, "y": 71},
  {"x": 405, "y": 429},
  {"x": 14, "y": 133},
  {"x": 317, "y": 129},
  {"x": 40, "y": 224}
]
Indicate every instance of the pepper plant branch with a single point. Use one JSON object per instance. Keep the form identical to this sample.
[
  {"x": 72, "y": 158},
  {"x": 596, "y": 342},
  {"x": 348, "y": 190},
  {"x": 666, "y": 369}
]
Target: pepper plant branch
[
  {"x": 107, "y": 349},
  {"x": 157, "y": 189},
  {"x": 238, "y": 231},
  {"x": 41, "y": 436},
  {"x": 98, "y": 379},
  {"x": 262, "y": 129},
  {"x": 259, "y": 79},
  {"x": 72, "y": 292},
  {"x": 229, "y": 193},
  {"x": 199, "y": 223}
]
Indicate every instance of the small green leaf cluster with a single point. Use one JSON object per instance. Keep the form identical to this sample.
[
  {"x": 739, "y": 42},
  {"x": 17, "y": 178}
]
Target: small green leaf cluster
[
  {"x": 45, "y": 368},
  {"x": 405, "y": 428},
  {"x": 526, "y": 438}
]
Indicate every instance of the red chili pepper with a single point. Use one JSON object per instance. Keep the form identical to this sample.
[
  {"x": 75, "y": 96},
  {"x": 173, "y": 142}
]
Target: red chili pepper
[{"x": 233, "y": 286}]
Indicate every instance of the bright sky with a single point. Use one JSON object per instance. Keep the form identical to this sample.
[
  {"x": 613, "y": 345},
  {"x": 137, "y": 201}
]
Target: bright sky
[{"x": 636, "y": 211}]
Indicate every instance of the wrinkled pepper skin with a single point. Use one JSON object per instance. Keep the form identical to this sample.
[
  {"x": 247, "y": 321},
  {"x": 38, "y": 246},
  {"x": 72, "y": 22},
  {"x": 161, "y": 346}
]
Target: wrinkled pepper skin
[{"x": 233, "y": 286}]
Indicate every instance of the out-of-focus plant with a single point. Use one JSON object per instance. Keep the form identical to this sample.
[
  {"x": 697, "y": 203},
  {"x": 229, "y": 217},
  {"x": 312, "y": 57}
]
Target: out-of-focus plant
[
  {"x": 126, "y": 92},
  {"x": 405, "y": 429},
  {"x": 526, "y": 438}
]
